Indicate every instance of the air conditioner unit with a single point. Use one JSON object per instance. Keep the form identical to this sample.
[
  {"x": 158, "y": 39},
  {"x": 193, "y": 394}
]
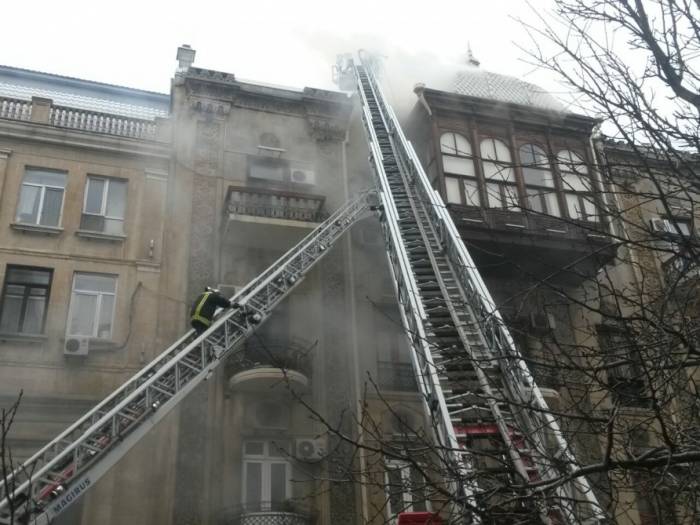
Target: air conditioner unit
[
  {"x": 303, "y": 176},
  {"x": 76, "y": 345},
  {"x": 662, "y": 225},
  {"x": 308, "y": 449}
]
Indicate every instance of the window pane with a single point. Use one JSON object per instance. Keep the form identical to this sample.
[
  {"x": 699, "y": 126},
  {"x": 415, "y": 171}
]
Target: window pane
[
  {"x": 417, "y": 491},
  {"x": 512, "y": 201},
  {"x": 447, "y": 143},
  {"x": 573, "y": 206},
  {"x": 261, "y": 170},
  {"x": 490, "y": 170},
  {"x": 535, "y": 200},
  {"x": 278, "y": 482},
  {"x": 573, "y": 182},
  {"x": 51, "y": 214},
  {"x": 498, "y": 172},
  {"x": 463, "y": 146},
  {"x": 395, "y": 489},
  {"x": 502, "y": 151},
  {"x": 488, "y": 150},
  {"x": 95, "y": 282},
  {"x": 452, "y": 186},
  {"x": 471, "y": 191},
  {"x": 458, "y": 166},
  {"x": 45, "y": 178},
  {"x": 34, "y": 315},
  {"x": 104, "y": 328},
  {"x": 253, "y": 484},
  {"x": 493, "y": 193},
  {"x": 83, "y": 310},
  {"x": 571, "y": 162},
  {"x": 552, "y": 204},
  {"x": 527, "y": 156},
  {"x": 11, "y": 308},
  {"x": 28, "y": 208},
  {"x": 113, "y": 226},
  {"x": 590, "y": 208},
  {"x": 538, "y": 177},
  {"x": 93, "y": 199},
  {"x": 28, "y": 275},
  {"x": 116, "y": 199}
]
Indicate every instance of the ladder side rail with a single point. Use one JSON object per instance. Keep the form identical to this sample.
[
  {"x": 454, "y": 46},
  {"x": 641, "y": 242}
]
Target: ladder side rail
[
  {"x": 413, "y": 317},
  {"x": 151, "y": 391},
  {"x": 472, "y": 280}
]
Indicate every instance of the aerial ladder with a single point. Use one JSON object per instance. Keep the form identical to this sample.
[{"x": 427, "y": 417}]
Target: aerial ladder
[{"x": 478, "y": 391}]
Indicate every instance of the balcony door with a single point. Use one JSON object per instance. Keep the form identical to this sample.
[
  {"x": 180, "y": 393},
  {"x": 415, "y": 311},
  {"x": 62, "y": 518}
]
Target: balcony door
[{"x": 267, "y": 475}]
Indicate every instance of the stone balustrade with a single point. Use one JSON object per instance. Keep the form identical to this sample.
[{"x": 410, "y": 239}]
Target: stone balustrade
[
  {"x": 15, "y": 109},
  {"x": 42, "y": 111},
  {"x": 273, "y": 204}
]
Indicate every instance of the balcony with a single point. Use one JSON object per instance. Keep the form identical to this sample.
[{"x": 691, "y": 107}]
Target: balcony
[
  {"x": 537, "y": 245},
  {"x": 281, "y": 207},
  {"x": 288, "y": 512},
  {"x": 261, "y": 366},
  {"x": 42, "y": 111}
]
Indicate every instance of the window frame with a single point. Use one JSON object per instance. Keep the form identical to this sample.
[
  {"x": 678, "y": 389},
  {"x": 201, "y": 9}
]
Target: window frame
[
  {"x": 545, "y": 190},
  {"x": 26, "y": 296},
  {"x": 266, "y": 460},
  {"x": 405, "y": 469},
  {"x": 565, "y": 168},
  {"x": 461, "y": 179},
  {"x": 103, "y": 202},
  {"x": 504, "y": 195},
  {"x": 98, "y": 308},
  {"x": 42, "y": 196}
]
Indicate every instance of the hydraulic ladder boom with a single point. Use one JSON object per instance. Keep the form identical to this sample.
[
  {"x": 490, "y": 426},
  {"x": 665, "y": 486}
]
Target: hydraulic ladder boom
[
  {"x": 477, "y": 389},
  {"x": 57, "y": 475}
]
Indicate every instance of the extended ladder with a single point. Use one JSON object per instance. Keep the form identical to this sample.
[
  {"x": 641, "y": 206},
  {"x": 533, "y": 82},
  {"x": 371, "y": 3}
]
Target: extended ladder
[
  {"x": 56, "y": 476},
  {"x": 507, "y": 458}
]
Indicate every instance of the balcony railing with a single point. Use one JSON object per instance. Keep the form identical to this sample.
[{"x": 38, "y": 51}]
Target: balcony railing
[
  {"x": 80, "y": 119},
  {"x": 293, "y": 355},
  {"x": 15, "y": 109},
  {"x": 273, "y": 204},
  {"x": 288, "y": 512},
  {"x": 84, "y": 120}
]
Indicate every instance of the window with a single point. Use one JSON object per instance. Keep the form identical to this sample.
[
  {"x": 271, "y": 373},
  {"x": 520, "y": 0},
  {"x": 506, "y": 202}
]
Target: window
[
  {"x": 626, "y": 378},
  {"x": 577, "y": 186},
  {"x": 41, "y": 197},
  {"x": 25, "y": 298},
  {"x": 458, "y": 165},
  {"x": 501, "y": 190},
  {"x": 405, "y": 489},
  {"x": 539, "y": 183},
  {"x": 266, "y": 475},
  {"x": 104, "y": 206},
  {"x": 92, "y": 305}
]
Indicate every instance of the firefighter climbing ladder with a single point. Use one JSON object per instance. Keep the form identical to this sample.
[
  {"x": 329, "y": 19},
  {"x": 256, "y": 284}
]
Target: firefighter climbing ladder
[{"x": 480, "y": 394}]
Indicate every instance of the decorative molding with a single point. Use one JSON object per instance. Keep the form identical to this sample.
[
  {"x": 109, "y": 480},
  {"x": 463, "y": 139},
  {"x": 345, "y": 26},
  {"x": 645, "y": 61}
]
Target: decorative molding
[
  {"x": 88, "y": 234},
  {"x": 207, "y": 147},
  {"x": 323, "y": 130},
  {"x": 5, "y": 153},
  {"x": 36, "y": 228}
]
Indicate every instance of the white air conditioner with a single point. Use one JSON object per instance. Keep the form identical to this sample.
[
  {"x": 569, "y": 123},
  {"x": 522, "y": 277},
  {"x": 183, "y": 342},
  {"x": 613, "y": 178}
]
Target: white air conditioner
[
  {"x": 308, "y": 449},
  {"x": 662, "y": 225},
  {"x": 303, "y": 176},
  {"x": 76, "y": 345}
]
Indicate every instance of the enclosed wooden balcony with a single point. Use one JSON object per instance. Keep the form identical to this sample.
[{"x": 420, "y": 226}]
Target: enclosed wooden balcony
[
  {"x": 504, "y": 242},
  {"x": 274, "y": 206}
]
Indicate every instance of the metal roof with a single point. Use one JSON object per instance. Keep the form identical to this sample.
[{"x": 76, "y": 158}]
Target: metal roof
[
  {"x": 83, "y": 94},
  {"x": 475, "y": 82}
]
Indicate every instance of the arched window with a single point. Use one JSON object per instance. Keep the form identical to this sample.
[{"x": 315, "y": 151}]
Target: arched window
[
  {"x": 501, "y": 189},
  {"x": 458, "y": 166},
  {"x": 577, "y": 186},
  {"x": 539, "y": 182}
]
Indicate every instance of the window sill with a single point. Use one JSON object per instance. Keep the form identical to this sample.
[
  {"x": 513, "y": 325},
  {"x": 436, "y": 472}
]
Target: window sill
[
  {"x": 36, "y": 228},
  {"x": 87, "y": 234},
  {"x": 23, "y": 338}
]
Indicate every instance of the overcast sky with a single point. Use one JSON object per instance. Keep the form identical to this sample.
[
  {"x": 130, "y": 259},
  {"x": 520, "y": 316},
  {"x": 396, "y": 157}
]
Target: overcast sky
[{"x": 133, "y": 43}]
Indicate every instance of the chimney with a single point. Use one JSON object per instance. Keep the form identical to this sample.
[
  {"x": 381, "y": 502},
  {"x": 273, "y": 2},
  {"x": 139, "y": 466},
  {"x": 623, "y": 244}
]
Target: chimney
[{"x": 185, "y": 58}]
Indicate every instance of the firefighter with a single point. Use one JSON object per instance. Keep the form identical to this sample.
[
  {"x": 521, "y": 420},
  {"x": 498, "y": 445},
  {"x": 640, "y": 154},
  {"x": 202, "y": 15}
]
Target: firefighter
[{"x": 204, "y": 308}]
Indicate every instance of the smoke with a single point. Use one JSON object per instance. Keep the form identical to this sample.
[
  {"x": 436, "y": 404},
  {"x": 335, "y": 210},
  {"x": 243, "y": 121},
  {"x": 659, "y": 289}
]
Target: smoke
[{"x": 400, "y": 69}]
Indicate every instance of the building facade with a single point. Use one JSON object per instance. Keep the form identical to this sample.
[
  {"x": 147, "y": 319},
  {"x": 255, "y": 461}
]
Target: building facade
[{"x": 117, "y": 206}]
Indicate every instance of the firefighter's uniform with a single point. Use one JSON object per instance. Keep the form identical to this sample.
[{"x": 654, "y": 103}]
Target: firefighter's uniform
[{"x": 204, "y": 307}]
